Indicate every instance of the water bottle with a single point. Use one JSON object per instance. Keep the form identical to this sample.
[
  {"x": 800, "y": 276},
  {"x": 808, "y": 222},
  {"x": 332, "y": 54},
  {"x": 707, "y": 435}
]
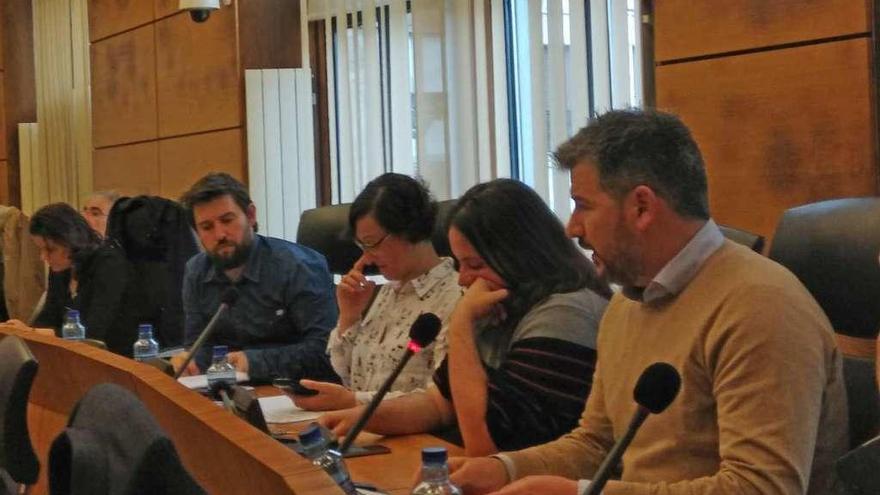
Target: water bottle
[
  {"x": 145, "y": 347},
  {"x": 314, "y": 445},
  {"x": 220, "y": 370},
  {"x": 72, "y": 328},
  {"x": 435, "y": 474}
]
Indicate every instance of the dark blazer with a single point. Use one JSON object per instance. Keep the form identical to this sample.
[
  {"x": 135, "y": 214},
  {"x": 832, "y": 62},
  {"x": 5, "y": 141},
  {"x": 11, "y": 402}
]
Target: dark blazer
[{"x": 103, "y": 299}]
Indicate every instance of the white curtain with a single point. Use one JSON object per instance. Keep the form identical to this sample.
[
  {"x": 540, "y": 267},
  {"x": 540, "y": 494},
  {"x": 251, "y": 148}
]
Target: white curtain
[
  {"x": 60, "y": 144},
  {"x": 565, "y": 70},
  {"x": 409, "y": 93},
  {"x": 422, "y": 87}
]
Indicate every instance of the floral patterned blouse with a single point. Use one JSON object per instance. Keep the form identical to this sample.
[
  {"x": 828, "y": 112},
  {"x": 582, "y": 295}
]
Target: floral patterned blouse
[{"x": 365, "y": 355}]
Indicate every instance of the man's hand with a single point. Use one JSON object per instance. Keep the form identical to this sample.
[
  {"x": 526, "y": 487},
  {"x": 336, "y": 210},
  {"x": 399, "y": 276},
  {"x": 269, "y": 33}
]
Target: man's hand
[
  {"x": 545, "y": 485},
  {"x": 477, "y": 475},
  {"x": 177, "y": 361},
  {"x": 330, "y": 397},
  {"x": 339, "y": 422},
  {"x": 238, "y": 359}
]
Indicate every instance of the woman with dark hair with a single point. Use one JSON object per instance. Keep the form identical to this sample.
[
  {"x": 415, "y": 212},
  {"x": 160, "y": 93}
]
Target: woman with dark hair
[
  {"x": 522, "y": 339},
  {"x": 392, "y": 221},
  {"x": 85, "y": 274}
]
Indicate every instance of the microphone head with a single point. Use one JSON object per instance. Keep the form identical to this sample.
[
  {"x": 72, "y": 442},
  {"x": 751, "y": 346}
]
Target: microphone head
[
  {"x": 229, "y": 296},
  {"x": 424, "y": 330},
  {"x": 657, "y": 387}
]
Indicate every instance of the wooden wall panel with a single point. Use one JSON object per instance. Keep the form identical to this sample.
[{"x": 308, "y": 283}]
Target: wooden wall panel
[
  {"x": 199, "y": 81},
  {"x": 184, "y": 160},
  {"x": 20, "y": 100},
  {"x": 3, "y": 148},
  {"x": 124, "y": 88},
  {"x": 270, "y": 34},
  {"x": 778, "y": 128},
  {"x": 4, "y": 183},
  {"x": 2, "y": 33},
  {"x": 164, "y": 8},
  {"x": 131, "y": 169},
  {"x": 684, "y": 28},
  {"x": 108, "y": 17}
]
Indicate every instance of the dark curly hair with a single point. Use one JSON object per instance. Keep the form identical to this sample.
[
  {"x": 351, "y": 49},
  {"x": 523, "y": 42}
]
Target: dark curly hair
[
  {"x": 213, "y": 186},
  {"x": 402, "y": 205},
  {"x": 61, "y": 224},
  {"x": 518, "y": 236}
]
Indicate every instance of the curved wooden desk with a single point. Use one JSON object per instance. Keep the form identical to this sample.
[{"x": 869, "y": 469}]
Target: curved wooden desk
[{"x": 225, "y": 454}]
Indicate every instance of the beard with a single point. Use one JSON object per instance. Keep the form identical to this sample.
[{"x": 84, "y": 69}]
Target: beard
[
  {"x": 622, "y": 264},
  {"x": 236, "y": 258}
]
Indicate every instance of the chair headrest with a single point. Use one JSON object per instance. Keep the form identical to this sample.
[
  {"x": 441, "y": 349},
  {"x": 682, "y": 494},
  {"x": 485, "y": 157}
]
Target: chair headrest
[
  {"x": 832, "y": 247},
  {"x": 110, "y": 431},
  {"x": 325, "y": 229},
  {"x": 18, "y": 368},
  {"x": 857, "y": 470}
]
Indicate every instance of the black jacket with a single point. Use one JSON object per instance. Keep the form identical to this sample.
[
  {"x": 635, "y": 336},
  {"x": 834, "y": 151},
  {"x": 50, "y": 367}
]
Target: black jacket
[{"x": 103, "y": 299}]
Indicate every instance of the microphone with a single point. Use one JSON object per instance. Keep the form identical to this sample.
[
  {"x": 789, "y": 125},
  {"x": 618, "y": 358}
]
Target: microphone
[
  {"x": 227, "y": 299},
  {"x": 655, "y": 390},
  {"x": 422, "y": 332}
]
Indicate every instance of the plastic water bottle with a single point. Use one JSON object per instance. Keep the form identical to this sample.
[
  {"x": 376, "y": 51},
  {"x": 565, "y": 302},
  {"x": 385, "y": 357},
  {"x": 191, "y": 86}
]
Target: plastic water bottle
[
  {"x": 72, "y": 328},
  {"x": 314, "y": 445},
  {"x": 145, "y": 347},
  {"x": 435, "y": 474},
  {"x": 220, "y": 370}
]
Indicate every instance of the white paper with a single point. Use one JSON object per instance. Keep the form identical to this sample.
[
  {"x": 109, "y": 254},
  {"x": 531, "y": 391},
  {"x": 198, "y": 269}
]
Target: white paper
[
  {"x": 281, "y": 409},
  {"x": 201, "y": 381}
]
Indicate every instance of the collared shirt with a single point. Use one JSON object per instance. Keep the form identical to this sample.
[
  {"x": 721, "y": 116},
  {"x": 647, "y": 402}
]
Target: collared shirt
[
  {"x": 682, "y": 268},
  {"x": 366, "y": 353},
  {"x": 284, "y": 312}
]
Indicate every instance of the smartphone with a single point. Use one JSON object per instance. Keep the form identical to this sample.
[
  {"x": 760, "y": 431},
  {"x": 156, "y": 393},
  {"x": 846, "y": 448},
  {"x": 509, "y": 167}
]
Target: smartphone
[
  {"x": 293, "y": 387},
  {"x": 353, "y": 451},
  {"x": 364, "y": 450}
]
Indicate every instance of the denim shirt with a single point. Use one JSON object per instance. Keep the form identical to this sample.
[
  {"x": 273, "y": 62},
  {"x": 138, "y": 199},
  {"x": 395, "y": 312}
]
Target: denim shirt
[{"x": 285, "y": 310}]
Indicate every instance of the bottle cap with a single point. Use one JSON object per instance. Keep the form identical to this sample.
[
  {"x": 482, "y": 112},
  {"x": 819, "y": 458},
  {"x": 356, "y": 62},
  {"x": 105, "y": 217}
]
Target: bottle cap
[
  {"x": 145, "y": 327},
  {"x": 73, "y": 313},
  {"x": 220, "y": 351},
  {"x": 434, "y": 455},
  {"x": 311, "y": 435}
]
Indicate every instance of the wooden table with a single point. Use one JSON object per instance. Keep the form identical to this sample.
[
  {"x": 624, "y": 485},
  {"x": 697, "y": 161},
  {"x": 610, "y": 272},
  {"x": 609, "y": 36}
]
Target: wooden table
[
  {"x": 225, "y": 454},
  {"x": 394, "y": 472}
]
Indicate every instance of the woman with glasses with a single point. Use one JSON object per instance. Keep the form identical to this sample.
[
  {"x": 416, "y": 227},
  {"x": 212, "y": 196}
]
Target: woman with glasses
[
  {"x": 391, "y": 220},
  {"x": 86, "y": 274},
  {"x": 522, "y": 338}
]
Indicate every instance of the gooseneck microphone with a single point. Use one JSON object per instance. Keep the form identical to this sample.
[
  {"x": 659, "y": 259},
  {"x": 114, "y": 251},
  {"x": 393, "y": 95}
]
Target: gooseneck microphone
[
  {"x": 655, "y": 390},
  {"x": 422, "y": 332},
  {"x": 227, "y": 299}
]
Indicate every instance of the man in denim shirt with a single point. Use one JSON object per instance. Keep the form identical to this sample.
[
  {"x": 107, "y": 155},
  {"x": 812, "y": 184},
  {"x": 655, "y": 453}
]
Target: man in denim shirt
[{"x": 286, "y": 307}]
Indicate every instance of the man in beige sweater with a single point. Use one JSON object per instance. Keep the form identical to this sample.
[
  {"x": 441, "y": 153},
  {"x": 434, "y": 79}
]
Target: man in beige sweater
[{"x": 762, "y": 407}]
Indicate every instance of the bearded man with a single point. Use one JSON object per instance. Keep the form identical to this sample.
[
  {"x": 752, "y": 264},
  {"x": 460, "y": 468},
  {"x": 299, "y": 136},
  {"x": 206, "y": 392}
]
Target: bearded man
[{"x": 279, "y": 325}]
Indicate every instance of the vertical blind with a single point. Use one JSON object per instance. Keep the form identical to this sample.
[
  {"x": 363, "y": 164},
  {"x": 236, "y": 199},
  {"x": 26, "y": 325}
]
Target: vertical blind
[
  {"x": 56, "y": 151},
  {"x": 463, "y": 91}
]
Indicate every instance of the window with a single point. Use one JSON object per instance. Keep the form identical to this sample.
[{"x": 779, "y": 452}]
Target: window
[{"x": 464, "y": 91}]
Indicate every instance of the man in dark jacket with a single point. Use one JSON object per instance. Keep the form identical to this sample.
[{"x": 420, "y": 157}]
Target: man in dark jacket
[{"x": 286, "y": 306}]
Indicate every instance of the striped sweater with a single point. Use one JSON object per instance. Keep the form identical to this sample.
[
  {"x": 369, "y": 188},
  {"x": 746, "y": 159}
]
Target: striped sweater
[{"x": 540, "y": 372}]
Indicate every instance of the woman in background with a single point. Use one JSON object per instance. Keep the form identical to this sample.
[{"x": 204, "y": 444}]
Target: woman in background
[
  {"x": 392, "y": 221},
  {"x": 86, "y": 274},
  {"x": 522, "y": 339}
]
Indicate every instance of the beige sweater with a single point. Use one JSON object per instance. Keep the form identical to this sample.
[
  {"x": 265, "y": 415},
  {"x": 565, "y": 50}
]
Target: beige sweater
[{"x": 762, "y": 389}]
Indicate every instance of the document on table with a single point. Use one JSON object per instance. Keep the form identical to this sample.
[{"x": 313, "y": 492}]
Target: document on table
[
  {"x": 201, "y": 381},
  {"x": 281, "y": 409}
]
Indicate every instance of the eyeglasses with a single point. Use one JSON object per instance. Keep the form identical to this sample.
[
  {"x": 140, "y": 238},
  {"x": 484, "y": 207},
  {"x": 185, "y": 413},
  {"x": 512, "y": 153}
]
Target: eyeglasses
[{"x": 370, "y": 247}]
